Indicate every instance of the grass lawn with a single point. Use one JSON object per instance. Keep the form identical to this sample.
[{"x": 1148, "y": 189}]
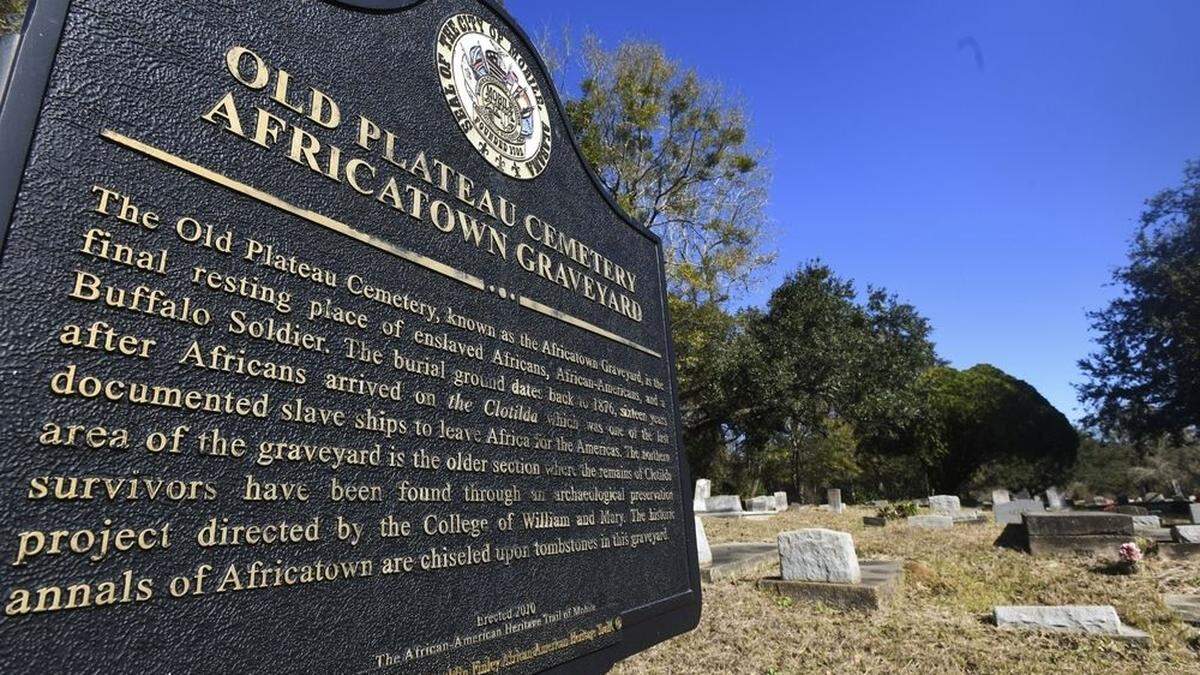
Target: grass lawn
[{"x": 940, "y": 621}]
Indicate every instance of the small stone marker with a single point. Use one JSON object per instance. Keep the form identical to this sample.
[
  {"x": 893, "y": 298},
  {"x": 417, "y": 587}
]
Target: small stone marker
[
  {"x": 703, "y": 488},
  {"x": 834, "y": 498},
  {"x": 1146, "y": 521},
  {"x": 1090, "y": 619},
  {"x": 945, "y": 505},
  {"x": 1194, "y": 509},
  {"x": 1000, "y": 497},
  {"x": 703, "y": 550},
  {"x": 723, "y": 503},
  {"x": 818, "y": 555},
  {"x": 1055, "y": 499},
  {"x": 781, "y": 502},
  {"x": 931, "y": 522},
  {"x": 1186, "y": 534},
  {"x": 762, "y": 503},
  {"x": 1010, "y": 513}
]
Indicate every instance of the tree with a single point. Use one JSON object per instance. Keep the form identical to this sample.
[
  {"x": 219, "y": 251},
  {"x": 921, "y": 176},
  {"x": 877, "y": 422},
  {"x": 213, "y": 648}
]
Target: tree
[
  {"x": 12, "y": 12},
  {"x": 673, "y": 151},
  {"x": 996, "y": 429},
  {"x": 1144, "y": 380}
]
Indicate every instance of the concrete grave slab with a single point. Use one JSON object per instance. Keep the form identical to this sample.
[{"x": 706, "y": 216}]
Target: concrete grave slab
[
  {"x": 880, "y": 579},
  {"x": 1186, "y": 608},
  {"x": 931, "y": 522},
  {"x": 1186, "y": 534},
  {"x": 734, "y": 560},
  {"x": 721, "y": 503},
  {"x": 1090, "y": 619},
  {"x": 703, "y": 551}
]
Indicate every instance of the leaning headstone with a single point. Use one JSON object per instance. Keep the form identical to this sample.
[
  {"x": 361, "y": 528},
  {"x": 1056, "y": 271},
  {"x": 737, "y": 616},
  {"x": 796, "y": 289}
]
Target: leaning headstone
[
  {"x": 931, "y": 522},
  {"x": 762, "y": 503},
  {"x": 1010, "y": 513},
  {"x": 818, "y": 555},
  {"x": 1000, "y": 497},
  {"x": 723, "y": 504},
  {"x": 703, "y": 489},
  {"x": 1090, "y": 619},
  {"x": 834, "y": 499},
  {"x": 944, "y": 505},
  {"x": 781, "y": 502},
  {"x": 703, "y": 550}
]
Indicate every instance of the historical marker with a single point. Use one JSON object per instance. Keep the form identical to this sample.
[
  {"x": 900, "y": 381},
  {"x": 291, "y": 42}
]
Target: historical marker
[{"x": 323, "y": 351}]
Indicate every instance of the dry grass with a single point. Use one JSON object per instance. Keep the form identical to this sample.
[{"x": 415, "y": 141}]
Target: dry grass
[{"x": 939, "y": 622}]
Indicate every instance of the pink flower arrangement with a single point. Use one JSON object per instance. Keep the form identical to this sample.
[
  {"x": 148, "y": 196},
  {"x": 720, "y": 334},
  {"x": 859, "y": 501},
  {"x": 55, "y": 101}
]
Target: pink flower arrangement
[{"x": 1130, "y": 553}]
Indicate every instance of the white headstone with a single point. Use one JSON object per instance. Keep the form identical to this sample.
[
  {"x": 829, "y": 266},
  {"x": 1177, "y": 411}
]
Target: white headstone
[
  {"x": 1055, "y": 499},
  {"x": 781, "y": 501},
  {"x": 723, "y": 503},
  {"x": 1195, "y": 511},
  {"x": 834, "y": 499},
  {"x": 703, "y": 488},
  {"x": 944, "y": 504},
  {"x": 1000, "y": 497},
  {"x": 1099, "y": 619},
  {"x": 931, "y": 522},
  {"x": 703, "y": 550},
  {"x": 819, "y": 555}
]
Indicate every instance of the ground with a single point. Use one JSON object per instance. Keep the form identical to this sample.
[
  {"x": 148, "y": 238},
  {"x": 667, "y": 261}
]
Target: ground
[{"x": 940, "y": 622}]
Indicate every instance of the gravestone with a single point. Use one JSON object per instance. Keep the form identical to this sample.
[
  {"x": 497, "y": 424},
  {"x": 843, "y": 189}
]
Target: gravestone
[
  {"x": 1147, "y": 521},
  {"x": 781, "y": 501},
  {"x": 1055, "y": 499},
  {"x": 703, "y": 489},
  {"x": 833, "y": 497},
  {"x": 1194, "y": 512},
  {"x": 762, "y": 503},
  {"x": 1000, "y": 497},
  {"x": 945, "y": 504},
  {"x": 1186, "y": 534},
  {"x": 703, "y": 551},
  {"x": 931, "y": 522},
  {"x": 1089, "y": 619},
  {"x": 1011, "y": 512},
  {"x": 818, "y": 555},
  {"x": 1023, "y": 494},
  {"x": 319, "y": 331},
  {"x": 1076, "y": 532},
  {"x": 723, "y": 504}
]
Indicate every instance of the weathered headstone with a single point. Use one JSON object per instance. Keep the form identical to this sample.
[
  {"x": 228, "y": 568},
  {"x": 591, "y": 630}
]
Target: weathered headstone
[
  {"x": 1077, "y": 532},
  {"x": 703, "y": 489},
  {"x": 1055, "y": 500},
  {"x": 316, "y": 328},
  {"x": 833, "y": 497},
  {"x": 1090, "y": 619},
  {"x": 1147, "y": 521},
  {"x": 723, "y": 503},
  {"x": 762, "y": 503},
  {"x": 1011, "y": 512},
  {"x": 1000, "y": 497},
  {"x": 945, "y": 504},
  {"x": 1194, "y": 511},
  {"x": 818, "y": 555},
  {"x": 931, "y": 522},
  {"x": 781, "y": 501},
  {"x": 1186, "y": 534},
  {"x": 703, "y": 550}
]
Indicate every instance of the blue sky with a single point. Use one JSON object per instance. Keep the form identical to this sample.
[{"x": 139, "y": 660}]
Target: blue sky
[{"x": 995, "y": 199}]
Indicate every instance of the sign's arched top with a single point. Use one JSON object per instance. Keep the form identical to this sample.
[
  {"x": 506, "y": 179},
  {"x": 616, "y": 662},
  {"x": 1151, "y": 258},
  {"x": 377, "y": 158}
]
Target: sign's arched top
[{"x": 493, "y": 93}]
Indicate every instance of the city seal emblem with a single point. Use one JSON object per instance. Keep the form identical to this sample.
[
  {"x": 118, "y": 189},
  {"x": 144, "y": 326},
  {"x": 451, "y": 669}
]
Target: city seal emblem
[{"x": 494, "y": 96}]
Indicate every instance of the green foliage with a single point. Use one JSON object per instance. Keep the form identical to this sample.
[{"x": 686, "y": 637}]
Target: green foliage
[
  {"x": 12, "y": 12},
  {"x": 996, "y": 429},
  {"x": 1144, "y": 380},
  {"x": 897, "y": 510},
  {"x": 673, "y": 149}
]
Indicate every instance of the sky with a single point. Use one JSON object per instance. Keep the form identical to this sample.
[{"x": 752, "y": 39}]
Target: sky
[{"x": 996, "y": 189}]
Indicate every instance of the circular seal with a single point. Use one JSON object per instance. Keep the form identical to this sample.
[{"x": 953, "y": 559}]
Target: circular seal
[{"x": 494, "y": 96}]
